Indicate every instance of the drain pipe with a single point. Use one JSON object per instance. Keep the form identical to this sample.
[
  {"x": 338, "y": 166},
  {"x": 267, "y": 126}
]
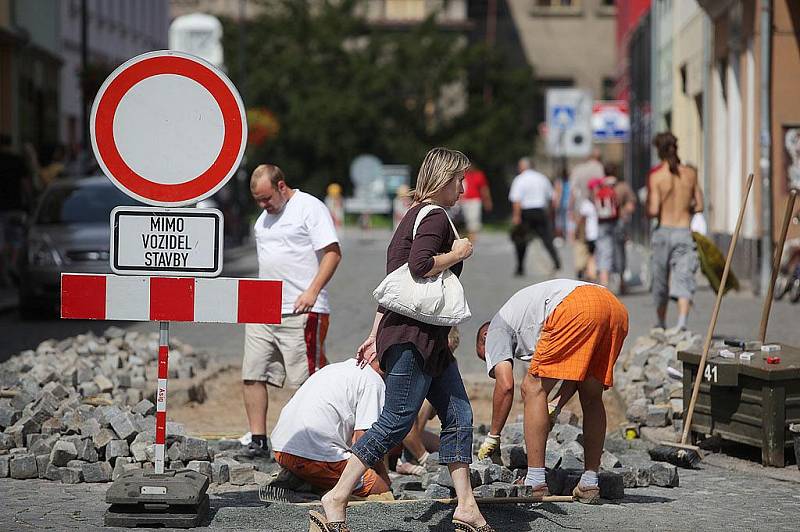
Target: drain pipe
[{"x": 765, "y": 87}]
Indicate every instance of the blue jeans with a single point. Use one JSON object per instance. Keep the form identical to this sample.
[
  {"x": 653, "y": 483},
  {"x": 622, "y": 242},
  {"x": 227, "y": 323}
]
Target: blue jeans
[{"x": 406, "y": 388}]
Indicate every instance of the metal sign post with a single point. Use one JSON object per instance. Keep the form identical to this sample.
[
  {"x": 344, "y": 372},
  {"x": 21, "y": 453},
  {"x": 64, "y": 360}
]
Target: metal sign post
[{"x": 161, "y": 396}]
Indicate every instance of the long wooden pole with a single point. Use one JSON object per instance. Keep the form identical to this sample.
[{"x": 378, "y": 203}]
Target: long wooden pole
[
  {"x": 776, "y": 264},
  {"x": 715, "y": 314}
]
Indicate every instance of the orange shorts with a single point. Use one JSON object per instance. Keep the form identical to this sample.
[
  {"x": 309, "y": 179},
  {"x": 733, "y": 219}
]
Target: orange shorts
[
  {"x": 582, "y": 336},
  {"x": 324, "y": 475}
]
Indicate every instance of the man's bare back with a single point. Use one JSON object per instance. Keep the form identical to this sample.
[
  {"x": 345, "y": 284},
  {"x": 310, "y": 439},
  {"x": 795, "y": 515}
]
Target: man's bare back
[{"x": 673, "y": 199}]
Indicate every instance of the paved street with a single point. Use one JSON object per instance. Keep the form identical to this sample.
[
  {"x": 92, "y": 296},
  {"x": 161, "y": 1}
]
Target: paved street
[
  {"x": 711, "y": 499},
  {"x": 726, "y": 495},
  {"x": 488, "y": 281}
]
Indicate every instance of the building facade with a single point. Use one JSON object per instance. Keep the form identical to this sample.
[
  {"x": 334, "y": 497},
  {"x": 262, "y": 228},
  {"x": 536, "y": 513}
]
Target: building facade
[
  {"x": 728, "y": 90},
  {"x": 568, "y": 43},
  {"x": 116, "y": 31},
  {"x": 29, "y": 73}
]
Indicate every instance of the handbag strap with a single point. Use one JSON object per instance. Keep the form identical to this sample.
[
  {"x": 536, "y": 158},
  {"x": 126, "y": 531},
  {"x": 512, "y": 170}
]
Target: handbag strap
[{"x": 423, "y": 212}]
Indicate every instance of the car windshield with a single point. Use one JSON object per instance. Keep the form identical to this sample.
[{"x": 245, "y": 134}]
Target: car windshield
[{"x": 79, "y": 203}]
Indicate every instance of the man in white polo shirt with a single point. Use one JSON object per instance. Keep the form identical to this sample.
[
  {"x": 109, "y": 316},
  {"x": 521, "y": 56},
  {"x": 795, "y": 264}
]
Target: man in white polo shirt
[
  {"x": 532, "y": 198},
  {"x": 296, "y": 243},
  {"x": 329, "y": 413}
]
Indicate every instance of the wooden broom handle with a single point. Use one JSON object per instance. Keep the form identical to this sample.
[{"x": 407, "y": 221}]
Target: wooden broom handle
[
  {"x": 776, "y": 264},
  {"x": 715, "y": 313}
]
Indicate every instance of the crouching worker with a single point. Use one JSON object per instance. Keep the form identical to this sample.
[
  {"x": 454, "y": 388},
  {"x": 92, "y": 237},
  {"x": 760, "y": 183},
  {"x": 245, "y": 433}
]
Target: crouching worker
[
  {"x": 571, "y": 331},
  {"x": 329, "y": 412}
]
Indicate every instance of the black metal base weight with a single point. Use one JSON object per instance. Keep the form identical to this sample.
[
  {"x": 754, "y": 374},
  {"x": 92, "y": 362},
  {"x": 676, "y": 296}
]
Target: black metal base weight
[{"x": 175, "y": 499}]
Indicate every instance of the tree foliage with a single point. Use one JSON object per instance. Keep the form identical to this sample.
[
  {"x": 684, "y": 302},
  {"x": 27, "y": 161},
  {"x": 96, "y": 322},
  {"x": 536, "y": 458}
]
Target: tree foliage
[{"x": 339, "y": 88}]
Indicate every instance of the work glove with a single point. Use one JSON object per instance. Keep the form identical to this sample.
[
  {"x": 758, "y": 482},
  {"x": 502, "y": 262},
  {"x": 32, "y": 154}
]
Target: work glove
[{"x": 489, "y": 446}]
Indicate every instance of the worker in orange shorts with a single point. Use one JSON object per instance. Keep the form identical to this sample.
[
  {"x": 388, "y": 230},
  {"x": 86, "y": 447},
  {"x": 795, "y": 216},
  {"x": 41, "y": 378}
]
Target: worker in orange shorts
[
  {"x": 329, "y": 413},
  {"x": 570, "y": 331}
]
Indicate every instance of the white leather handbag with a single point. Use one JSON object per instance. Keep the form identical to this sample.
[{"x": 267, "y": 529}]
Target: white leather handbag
[{"x": 437, "y": 300}]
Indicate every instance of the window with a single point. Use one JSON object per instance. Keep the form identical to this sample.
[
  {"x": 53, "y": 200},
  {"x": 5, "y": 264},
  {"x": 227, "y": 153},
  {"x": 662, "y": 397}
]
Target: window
[
  {"x": 683, "y": 78},
  {"x": 556, "y": 3},
  {"x": 405, "y": 9},
  {"x": 608, "y": 88},
  {"x": 557, "y": 7}
]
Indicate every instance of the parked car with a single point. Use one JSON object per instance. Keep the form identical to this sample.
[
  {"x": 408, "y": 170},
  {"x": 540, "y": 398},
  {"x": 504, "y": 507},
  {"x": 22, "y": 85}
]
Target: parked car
[{"x": 68, "y": 232}]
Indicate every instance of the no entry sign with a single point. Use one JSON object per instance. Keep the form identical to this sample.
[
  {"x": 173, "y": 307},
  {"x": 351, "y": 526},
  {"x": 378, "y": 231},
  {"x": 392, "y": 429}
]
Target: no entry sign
[
  {"x": 168, "y": 128},
  {"x": 149, "y": 240}
]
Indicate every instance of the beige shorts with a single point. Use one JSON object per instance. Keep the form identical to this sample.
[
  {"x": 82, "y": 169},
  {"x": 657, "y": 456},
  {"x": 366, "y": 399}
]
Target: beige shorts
[
  {"x": 472, "y": 209},
  {"x": 287, "y": 353}
]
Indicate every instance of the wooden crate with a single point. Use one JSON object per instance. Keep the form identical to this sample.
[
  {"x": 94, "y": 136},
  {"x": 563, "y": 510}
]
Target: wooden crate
[{"x": 746, "y": 402}]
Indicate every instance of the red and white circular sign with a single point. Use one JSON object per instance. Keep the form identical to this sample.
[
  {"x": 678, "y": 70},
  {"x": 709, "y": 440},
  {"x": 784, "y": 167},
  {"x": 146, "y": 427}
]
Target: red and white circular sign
[{"x": 168, "y": 128}]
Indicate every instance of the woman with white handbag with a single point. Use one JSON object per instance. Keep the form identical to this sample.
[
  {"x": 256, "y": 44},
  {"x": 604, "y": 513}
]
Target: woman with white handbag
[{"x": 420, "y": 299}]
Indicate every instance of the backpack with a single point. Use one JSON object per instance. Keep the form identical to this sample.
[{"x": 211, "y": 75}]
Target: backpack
[{"x": 606, "y": 202}]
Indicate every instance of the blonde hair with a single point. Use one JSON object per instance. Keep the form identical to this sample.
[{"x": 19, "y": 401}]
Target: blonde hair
[{"x": 438, "y": 168}]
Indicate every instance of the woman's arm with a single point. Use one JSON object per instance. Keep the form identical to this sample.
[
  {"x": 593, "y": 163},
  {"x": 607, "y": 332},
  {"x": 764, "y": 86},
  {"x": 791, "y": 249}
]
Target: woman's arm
[
  {"x": 425, "y": 259},
  {"x": 367, "y": 352},
  {"x": 462, "y": 249}
]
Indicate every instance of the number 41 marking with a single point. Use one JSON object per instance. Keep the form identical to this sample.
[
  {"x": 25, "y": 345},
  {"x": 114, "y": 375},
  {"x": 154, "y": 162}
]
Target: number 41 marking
[{"x": 711, "y": 373}]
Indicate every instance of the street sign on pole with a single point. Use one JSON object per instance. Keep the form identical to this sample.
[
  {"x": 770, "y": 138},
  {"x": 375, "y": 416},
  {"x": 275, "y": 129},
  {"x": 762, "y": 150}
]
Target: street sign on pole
[
  {"x": 168, "y": 128},
  {"x": 149, "y": 240},
  {"x": 610, "y": 121},
  {"x": 569, "y": 114}
]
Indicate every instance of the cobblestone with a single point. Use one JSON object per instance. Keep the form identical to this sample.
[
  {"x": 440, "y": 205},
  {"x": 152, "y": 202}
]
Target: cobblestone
[{"x": 713, "y": 499}]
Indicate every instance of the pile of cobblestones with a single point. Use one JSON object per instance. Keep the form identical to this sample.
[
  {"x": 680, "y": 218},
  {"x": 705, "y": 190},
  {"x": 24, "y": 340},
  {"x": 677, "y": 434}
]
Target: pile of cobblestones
[
  {"x": 82, "y": 410},
  {"x": 649, "y": 379}
]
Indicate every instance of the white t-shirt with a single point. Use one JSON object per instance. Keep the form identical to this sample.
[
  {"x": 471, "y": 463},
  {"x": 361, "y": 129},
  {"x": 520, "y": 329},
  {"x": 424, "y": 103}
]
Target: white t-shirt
[
  {"x": 531, "y": 189},
  {"x": 319, "y": 421},
  {"x": 591, "y": 227},
  {"x": 515, "y": 329},
  {"x": 289, "y": 247}
]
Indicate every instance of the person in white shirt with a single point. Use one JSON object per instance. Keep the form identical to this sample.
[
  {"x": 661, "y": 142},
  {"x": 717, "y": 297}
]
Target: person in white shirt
[
  {"x": 296, "y": 243},
  {"x": 564, "y": 330},
  {"x": 532, "y": 198},
  {"x": 329, "y": 413},
  {"x": 588, "y": 232}
]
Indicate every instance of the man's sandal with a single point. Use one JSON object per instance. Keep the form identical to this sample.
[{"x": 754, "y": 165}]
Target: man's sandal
[
  {"x": 318, "y": 523},
  {"x": 461, "y": 526}
]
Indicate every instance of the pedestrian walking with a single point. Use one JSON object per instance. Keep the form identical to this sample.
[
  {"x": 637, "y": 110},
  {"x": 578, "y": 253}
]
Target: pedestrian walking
[
  {"x": 335, "y": 203},
  {"x": 587, "y": 233},
  {"x": 296, "y": 243},
  {"x": 415, "y": 355},
  {"x": 531, "y": 197},
  {"x": 579, "y": 178},
  {"x": 331, "y": 411},
  {"x": 476, "y": 199},
  {"x": 570, "y": 331},
  {"x": 614, "y": 202},
  {"x": 674, "y": 196}
]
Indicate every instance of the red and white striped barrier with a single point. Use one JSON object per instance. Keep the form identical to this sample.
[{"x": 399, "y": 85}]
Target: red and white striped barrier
[
  {"x": 165, "y": 299},
  {"x": 142, "y": 298}
]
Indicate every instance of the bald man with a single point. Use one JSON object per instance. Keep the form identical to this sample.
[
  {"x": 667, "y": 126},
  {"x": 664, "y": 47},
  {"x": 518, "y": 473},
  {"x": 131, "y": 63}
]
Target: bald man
[{"x": 296, "y": 243}]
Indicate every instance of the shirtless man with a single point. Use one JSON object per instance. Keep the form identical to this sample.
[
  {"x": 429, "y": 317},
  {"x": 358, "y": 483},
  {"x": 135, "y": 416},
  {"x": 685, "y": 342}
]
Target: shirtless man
[{"x": 673, "y": 197}]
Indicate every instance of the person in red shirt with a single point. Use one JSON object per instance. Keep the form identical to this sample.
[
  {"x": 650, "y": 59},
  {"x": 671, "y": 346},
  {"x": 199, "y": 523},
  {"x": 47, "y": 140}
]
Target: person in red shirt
[{"x": 476, "y": 199}]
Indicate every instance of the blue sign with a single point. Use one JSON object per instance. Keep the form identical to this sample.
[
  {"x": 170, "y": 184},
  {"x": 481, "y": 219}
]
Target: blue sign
[{"x": 562, "y": 116}]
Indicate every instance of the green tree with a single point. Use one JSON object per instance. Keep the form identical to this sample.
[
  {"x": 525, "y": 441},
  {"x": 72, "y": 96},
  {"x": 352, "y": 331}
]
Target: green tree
[{"x": 339, "y": 88}]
